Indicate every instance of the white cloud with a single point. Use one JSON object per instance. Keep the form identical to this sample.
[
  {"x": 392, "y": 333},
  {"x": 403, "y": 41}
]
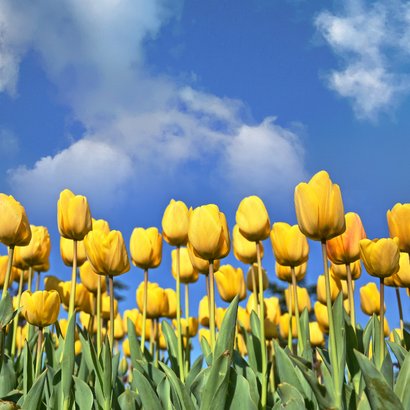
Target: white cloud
[
  {"x": 137, "y": 124},
  {"x": 371, "y": 41},
  {"x": 9, "y": 143}
]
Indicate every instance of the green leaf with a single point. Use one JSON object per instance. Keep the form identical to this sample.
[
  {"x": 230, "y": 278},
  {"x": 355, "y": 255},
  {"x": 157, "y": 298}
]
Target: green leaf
[
  {"x": 149, "y": 398},
  {"x": 82, "y": 393},
  {"x": 401, "y": 387},
  {"x": 7, "y": 377},
  {"x": 226, "y": 335},
  {"x": 399, "y": 351},
  {"x": 128, "y": 400},
  {"x": 290, "y": 396},
  {"x": 339, "y": 324},
  {"x": 135, "y": 347},
  {"x": 152, "y": 373},
  {"x": 239, "y": 397},
  {"x": 7, "y": 311},
  {"x": 199, "y": 383},
  {"x": 32, "y": 400},
  {"x": 172, "y": 345},
  {"x": 304, "y": 325},
  {"x": 195, "y": 369},
  {"x": 67, "y": 362},
  {"x": 28, "y": 370},
  {"x": 164, "y": 393},
  {"x": 206, "y": 351},
  {"x": 107, "y": 370},
  {"x": 379, "y": 393}
]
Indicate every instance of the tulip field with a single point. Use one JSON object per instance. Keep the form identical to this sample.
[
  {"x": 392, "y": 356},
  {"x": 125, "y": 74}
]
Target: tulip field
[{"x": 256, "y": 354}]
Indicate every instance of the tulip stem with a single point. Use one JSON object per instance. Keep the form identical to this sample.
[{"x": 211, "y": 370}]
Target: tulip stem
[
  {"x": 290, "y": 333},
  {"x": 255, "y": 291},
  {"x": 73, "y": 281},
  {"x": 16, "y": 318},
  {"x": 99, "y": 315},
  {"x": 30, "y": 278},
  {"x": 381, "y": 322},
  {"x": 188, "y": 347},
  {"x": 212, "y": 304},
  {"x": 262, "y": 328},
  {"x": 351, "y": 296},
  {"x": 39, "y": 351},
  {"x": 179, "y": 331},
  {"x": 8, "y": 272},
  {"x": 38, "y": 281},
  {"x": 400, "y": 310},
  {"x": 144, "y": 310},
  {"x": 111, "y": 285},
  {"x": 156, "y": 325},
  {"x": 332, "y": 334},
  {"x": 301, "y": 343},
  {"x": 152, "y": 337}
]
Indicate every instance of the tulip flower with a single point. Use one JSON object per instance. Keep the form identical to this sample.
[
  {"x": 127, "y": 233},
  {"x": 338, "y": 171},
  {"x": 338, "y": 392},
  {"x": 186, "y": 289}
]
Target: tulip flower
[
  {"x": 106, "y": 306},
  {"x": 244, "y": 319},
  {"x": 131, "y": 314},
  {"x": 219, "y": 317},
  {"x": 138, "y": 326},
  {"x": 398, "y": 219},
  {"x": 253, "y": 305},
  {"x": 157, "y": 301},
  {"x": 189, "y": 326},
  {"x": 175, "y": 223},
  {"x": 340, "y": 271},
  {"x": 244, "y": 250},
  {"x": 241, "y": 345},
  {"x": 187, "y": 272},
  {"x": 285, "y": 273},
  {"x": 171, "y": 308},
  {"x": 273, "y": 313},
  {"x": 303, "y": 299},
  {"x": 38, "y": 250},
  {"x": 230, "y": 282},
  {"x": 404, "y": 270},
  {"x": 322, "y": 316},
  {"x": 66, "y": 252},
  {"x": 88, "y": 322},
  {"x": 4, "y": 262},
  {"x": 126, "y": 347},
  {"x": 118, "y": 329},
  {"x": 252, "y": 279},
  {"x": 317, "y": 338},
  {"x": 203, "y": 311},
  {"x": 204, "y": 334},
  {"x": 89, "y": 278},
  {"x": 40, "y": 308},
  {"x": 335, "y": 288},
  {"x": 284, "y": 323},
  {"x": 370, "y": 299},
  {"x": 201, "y": 265}
]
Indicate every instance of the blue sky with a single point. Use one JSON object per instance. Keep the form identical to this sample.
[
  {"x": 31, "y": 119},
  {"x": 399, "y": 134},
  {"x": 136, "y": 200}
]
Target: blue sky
[{"x": 135, "y": 103}]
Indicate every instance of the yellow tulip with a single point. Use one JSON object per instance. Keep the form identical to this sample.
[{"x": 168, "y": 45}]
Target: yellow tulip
[
  {"x": 14, "y": 226},
  {"x": 18, "y": 273},
  {"x": 146, "y": 247},
  {"x": 335, "y": 288},
  {"x": 53, "y": 283},
  {"x": 253, "y": 219},
  {"x": 219, "y": 316},
  {"x": 404, "y": 271},
  {"x": 244, "y": 250},
  {"x": 38, "y": 250},
  {"x": 381, "y": 256},
  {"x": 273, "y": 311},
  {"x": 63, "y": 323},
  {"x": 21, "y": 336},
  {"x": 303, "y": 299},
  {"x": 67, "y": 249},
  {"x": 83, "y": 298},
  {"x": 189, "y": 326},
  {"x": 77, "y": 347},
  {"x": 85, "y": 319},
  {"x": 187, "y": 272},
  {"x": 241, "y": 345},
  {"x": 252, "y": 276},
  {"x": 340, "y": 271},
  {"x": 319, "y": 208},
  {"x": 208, "y": 232},
  {"x": 244, "y": 319},
  {"x": 162, "y": 343},
  {"x": 201, "y": 265},
  {"x": 3, "y": 269},
  {"x": 317, "y": 337},
  {"x": 18, "y": 261},
  {"x": 271, "y": 329},
  {"x": 171, "y": 308},
  {"x": 148, "y": 326},
  {"x": 322, "y": 316},
  {"x": 289, "y": 245},
  {"x": 40, "y": 308},
  {"x": 398, "y": 219},
  {"x": 105, "y": 306},
  {"x": 393, "y": 280},
  {"x": 370, "y": 299},
  {"x": 44, "y": 267},
  {"x": 204, "y": 334},
  {"x": 252, "y": 305},
  {"x": 386, "y": 327},
  {"x": 203, "y": 311},
  {"x": 175, "y": 223},
  {"x": 230, "y": 282},
  {"x": 345, "y": 289},
  {"x": 284, "y": 272},
  {"x": 73, "y": 216},
  {"x": 126, "y": 348},
  {"x": 107, "y": 253},
  {"x": 345, "y": 248},
  {"x": 157, "y": 300},
  {"x": 284, "y": 326},
  {"x": 399, "y": 335},
  {"x": 89, "y": 278},
  {"x": 101, "y": 225},
  {"x": 118, "y": 329},
  {"x": 131, "y": 314}
]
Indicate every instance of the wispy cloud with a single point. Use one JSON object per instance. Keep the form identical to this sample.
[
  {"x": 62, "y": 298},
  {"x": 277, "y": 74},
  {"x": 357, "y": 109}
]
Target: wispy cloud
[{"x": 372, "y": 42}]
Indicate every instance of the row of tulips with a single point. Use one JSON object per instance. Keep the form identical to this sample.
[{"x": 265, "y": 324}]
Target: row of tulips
[{"x": 332, "y": 378}]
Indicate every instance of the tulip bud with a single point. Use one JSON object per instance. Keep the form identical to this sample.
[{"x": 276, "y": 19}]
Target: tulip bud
[
  {"x": 14, "y": 225},
  {"x": 289, "y": 245},
  {"x": 284, "y": 272},
  {"x": 303, "y": 299},
  {"x": 243, "y": 351},
  {"x": 146, "y": 248},
  {"x": 370, "y": 299},
  {"x": 188, "y": 327},
  {"x": 73, "y": 216},
  {"x": 273, "y": 311},
  {"x": 171, "y": 308},
  {"x": 271, "y": 329},
  {"x": 335, "y": 288},
  {"x": 319, "y": 208},
  {"x": 322, "y": 316},
  {"x": 175, "y": 223},
  {"x": 398, "y": 219},
  {"x": 219, "y": 316},
  {"x": 203, "y": 311},
  {"x": 230, "y": 282},
  {"x": 131, "y": 314},
  {"x": 126, "y": 347},
  {"x": 106, "y": 306},
  {"x": 187, "y": 273},
  {"x": 252, "y": 277},
  {"x": 157, "y": 300},
  {"x": 244, "y": 250},
  {"x": 148, "y": 326},
  {"x": 118, "y": 329},
  {"x": 89, "y": 278},
  {"x": 253, "y": 219},
  {"x": 107, "y": 253},
  {"x": 201, "y": 265},
  {"x": 204, "y": 334},
  {"x": 340, "y": 271},
  {"x": 67, "y": 252},
  {"x": 317, "y": 338},
  {"x": 404, "y": 271},
  {"x": 38, "y": 250},
  {"x": 284, "y": 326},
  {"x": 208, "y": 232},
  {"x": 252, "y": 305},
  {"x": 85, "y": 320},
  {"x": 381, "y": 256},
  {"x": 244, "y": 319},
  {"x": 40, "y": 308}
]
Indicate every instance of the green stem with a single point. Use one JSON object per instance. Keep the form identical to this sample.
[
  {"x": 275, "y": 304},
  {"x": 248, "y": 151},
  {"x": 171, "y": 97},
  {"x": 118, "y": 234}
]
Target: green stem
[
  {"x": 73, "y": 281},
  {"x": 381, "y": 322},
  {"x": 400, "y": 310},
  {"x": 290, "y": 308},
  {"x": 301, "y": 342},
  {"x": 39, "y": 351},
  {"x": 255, "y": 291},
  {"x": 99, "y": 315},
  {"x": 152, "y": 337},
  {"x": 262, "y": 329},
  {"x": 188, "y": 343},
  {"x": 332, "y": 333},
  {"x": 111, "y": 285},
  {"x": 156, "y": 325},
  {"x": 8, "y": 272},
  {"x": 351, "y": 296},
  {"x": 16, "y": 318},
  {"x": 179, "y": 330},
  {"x": 144, "y": 310},
  {"x": 30, "y": 278},
  {"x": 212, "y": 304},
  {"x": 38, "y": 281}
]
